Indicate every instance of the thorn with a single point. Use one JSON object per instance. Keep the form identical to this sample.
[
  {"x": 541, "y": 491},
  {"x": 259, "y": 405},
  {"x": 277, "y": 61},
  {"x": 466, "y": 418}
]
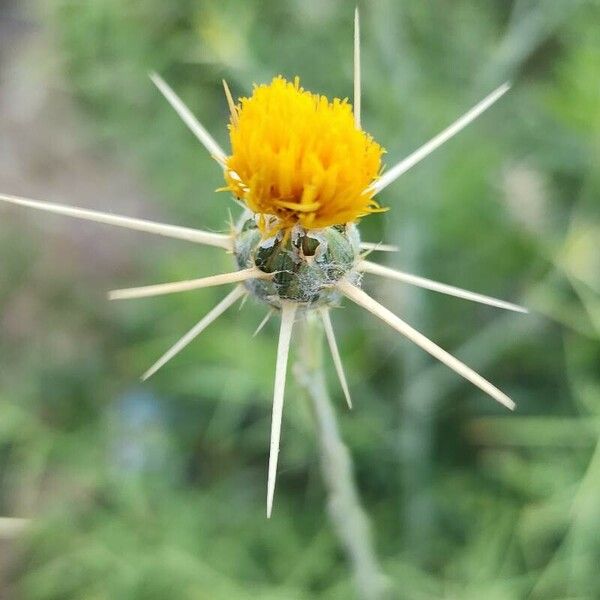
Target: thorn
[
  {"x": 190, "y": 120},
  {"x": 335, "y": 353},
  {"x": 357, "y": 70},
  {"x": 435, "y": 286},
  {"x": 185, "y": 286},
  {"x": 212, "y": 316},
  {"x": 365, "y": 301},
  {"x": 263, "y": 322},
  {"x": 378, "y": 247},
  {"x": 288, "y": 312},
  {"x": 426, "y": 149},
  {"x": 232, "y": 107},
  {"x": 171, "y": 231}
]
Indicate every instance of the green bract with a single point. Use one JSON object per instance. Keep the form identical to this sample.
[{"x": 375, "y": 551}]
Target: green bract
[{"x": 306, "y": 264}]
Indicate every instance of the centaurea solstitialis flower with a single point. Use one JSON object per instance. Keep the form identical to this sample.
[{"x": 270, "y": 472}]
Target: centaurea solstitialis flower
[{"x": 305, "y": 172}]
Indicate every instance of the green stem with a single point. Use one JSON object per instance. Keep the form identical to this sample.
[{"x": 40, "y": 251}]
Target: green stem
[{"x": 349, "y": 520}]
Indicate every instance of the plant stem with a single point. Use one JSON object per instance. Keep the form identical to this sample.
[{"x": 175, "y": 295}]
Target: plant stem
[{"x": 349, "y": 520}]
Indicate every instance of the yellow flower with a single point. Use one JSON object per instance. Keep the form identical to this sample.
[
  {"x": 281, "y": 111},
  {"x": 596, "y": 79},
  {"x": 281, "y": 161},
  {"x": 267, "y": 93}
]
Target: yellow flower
[{"x": 300, "y": 157}]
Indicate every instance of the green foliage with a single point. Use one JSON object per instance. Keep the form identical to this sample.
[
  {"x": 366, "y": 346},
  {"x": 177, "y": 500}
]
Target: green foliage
[{"x": 158, "y": 492}]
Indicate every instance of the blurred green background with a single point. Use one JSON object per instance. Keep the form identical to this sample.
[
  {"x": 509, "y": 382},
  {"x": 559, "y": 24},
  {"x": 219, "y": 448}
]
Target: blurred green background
[{"x": 157, "y": 491}]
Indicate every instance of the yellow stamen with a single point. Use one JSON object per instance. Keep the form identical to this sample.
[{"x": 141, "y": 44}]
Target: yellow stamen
[
  {"x": 300, "y": 157},
  {"x": 297, "y": 207}
]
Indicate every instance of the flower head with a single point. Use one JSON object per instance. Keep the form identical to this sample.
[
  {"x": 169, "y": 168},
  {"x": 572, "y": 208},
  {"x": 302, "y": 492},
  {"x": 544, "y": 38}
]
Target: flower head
[
  {"x": 300, "y": 158},
  {"x": 306, "y": 172}
]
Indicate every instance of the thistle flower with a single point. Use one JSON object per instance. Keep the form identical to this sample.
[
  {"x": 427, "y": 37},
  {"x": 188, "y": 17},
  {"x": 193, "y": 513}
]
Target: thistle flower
[{"x": 305, "y": 173}]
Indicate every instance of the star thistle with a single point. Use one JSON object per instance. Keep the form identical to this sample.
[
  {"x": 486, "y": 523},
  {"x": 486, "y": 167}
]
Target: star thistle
[{"x": 305, "y": 172}]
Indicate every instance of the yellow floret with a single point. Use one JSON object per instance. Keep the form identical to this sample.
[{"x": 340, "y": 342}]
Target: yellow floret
[{"x": 299, "y": 157}]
